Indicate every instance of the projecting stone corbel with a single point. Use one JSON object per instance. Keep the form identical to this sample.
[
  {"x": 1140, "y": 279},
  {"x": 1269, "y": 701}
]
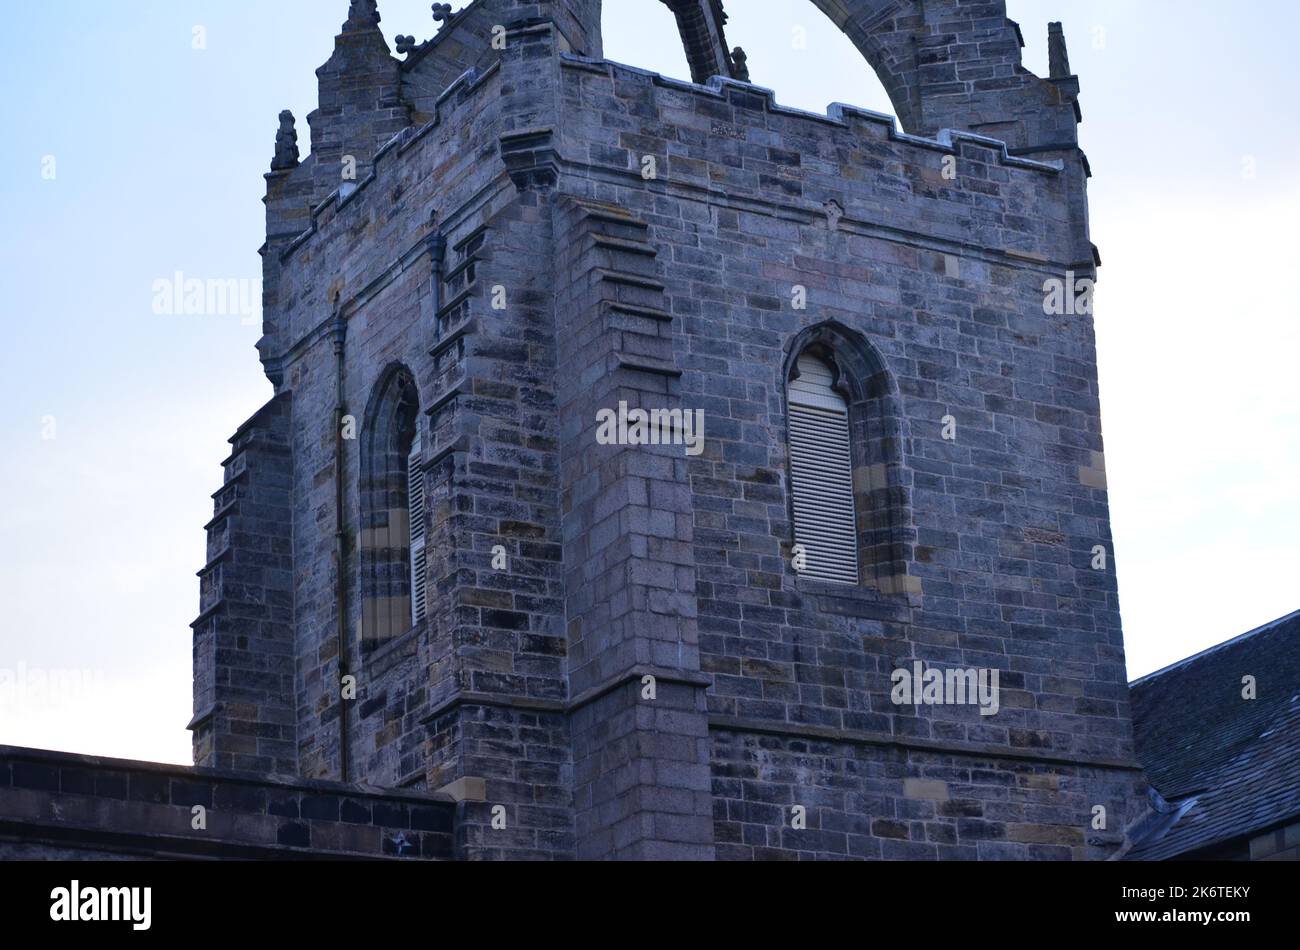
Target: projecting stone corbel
[{"x": 531, "y": 158}]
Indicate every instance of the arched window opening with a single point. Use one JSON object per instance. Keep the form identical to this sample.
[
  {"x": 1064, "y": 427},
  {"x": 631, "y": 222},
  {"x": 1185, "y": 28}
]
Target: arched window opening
[
  {"x": 849, "y": 489},
  {"x": 821, "y": 470},
  {"x": 392, "y": 529}
]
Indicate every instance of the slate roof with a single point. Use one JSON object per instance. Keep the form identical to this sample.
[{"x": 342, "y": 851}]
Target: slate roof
[{"x": 1224, "y": 767}]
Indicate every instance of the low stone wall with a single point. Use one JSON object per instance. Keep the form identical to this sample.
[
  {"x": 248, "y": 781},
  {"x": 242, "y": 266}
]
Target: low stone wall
[{"x": 59, "y": 806}]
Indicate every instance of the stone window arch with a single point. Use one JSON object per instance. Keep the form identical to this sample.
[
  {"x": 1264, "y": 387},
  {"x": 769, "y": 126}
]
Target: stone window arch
[
  {"x": 391, "y": 529},
  {"x": 842, "y": 413}
]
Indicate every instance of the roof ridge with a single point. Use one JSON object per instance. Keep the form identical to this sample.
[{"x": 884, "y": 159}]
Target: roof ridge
[{"x": 1215, "y": 648}]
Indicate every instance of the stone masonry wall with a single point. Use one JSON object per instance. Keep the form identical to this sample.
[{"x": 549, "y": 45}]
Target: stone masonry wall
[
  {"x": 944, "y": 280},
  {"x": 367, "y": 259},
  {"x": 884, "y": 801},
  {"x": 572, "y": 282},
  {"x": 640, "y": 738},
  {"x": 474, "y": 691},
  {"x": 72, "y": 807}
]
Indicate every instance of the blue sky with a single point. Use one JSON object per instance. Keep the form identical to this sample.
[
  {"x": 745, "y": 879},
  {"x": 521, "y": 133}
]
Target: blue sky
[{"x": 118, "y": 415}]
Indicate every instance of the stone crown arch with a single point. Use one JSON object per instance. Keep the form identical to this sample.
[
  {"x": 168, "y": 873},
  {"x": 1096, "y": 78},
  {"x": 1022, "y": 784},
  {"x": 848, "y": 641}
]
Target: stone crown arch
[
  {"x": 943, "y": 63},
  {"x": 879, "y": 30}
]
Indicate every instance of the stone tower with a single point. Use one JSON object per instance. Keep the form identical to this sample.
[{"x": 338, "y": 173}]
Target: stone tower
[{"x": 430, "y": 561}]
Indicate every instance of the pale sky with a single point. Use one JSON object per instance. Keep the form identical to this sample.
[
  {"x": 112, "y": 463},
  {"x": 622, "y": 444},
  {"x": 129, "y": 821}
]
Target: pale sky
[{"x": 118, "y": 415}]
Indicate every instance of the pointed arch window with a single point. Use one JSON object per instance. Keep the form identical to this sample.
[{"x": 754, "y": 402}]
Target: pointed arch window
[
  {"x": 394, "y": 563},
  {"x": 848, "y": 487}
]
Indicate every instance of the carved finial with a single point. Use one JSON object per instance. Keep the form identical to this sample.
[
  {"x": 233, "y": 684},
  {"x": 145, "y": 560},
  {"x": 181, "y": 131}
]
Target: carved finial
[
  {"x": 362, "y": 14},
  {"x": 286, "y": 144},
  {"x": 441, "y": 13},
  {"x": 740, "y": 64},
  {"x": 405, "y": 45},
  {"x": 1058, "y": 57}
]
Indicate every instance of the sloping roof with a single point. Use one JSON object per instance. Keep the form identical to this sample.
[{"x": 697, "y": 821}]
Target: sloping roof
[{"x": 1226, "y": 766}]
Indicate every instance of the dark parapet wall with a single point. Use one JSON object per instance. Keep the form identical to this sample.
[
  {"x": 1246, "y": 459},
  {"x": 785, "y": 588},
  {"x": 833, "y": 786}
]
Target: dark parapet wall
[{"x": 56, "y": 806}]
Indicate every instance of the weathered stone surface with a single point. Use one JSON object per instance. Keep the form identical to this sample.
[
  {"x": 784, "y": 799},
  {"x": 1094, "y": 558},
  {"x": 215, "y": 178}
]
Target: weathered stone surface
[
  {"x": 617, "y": 642},
  {"x": 615, "y": 237}
]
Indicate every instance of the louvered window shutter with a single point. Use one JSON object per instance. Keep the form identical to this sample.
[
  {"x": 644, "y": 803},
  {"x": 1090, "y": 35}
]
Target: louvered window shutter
[
  {"x": 415, "y": 507},
  {"x": 821, "y": 467}
]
